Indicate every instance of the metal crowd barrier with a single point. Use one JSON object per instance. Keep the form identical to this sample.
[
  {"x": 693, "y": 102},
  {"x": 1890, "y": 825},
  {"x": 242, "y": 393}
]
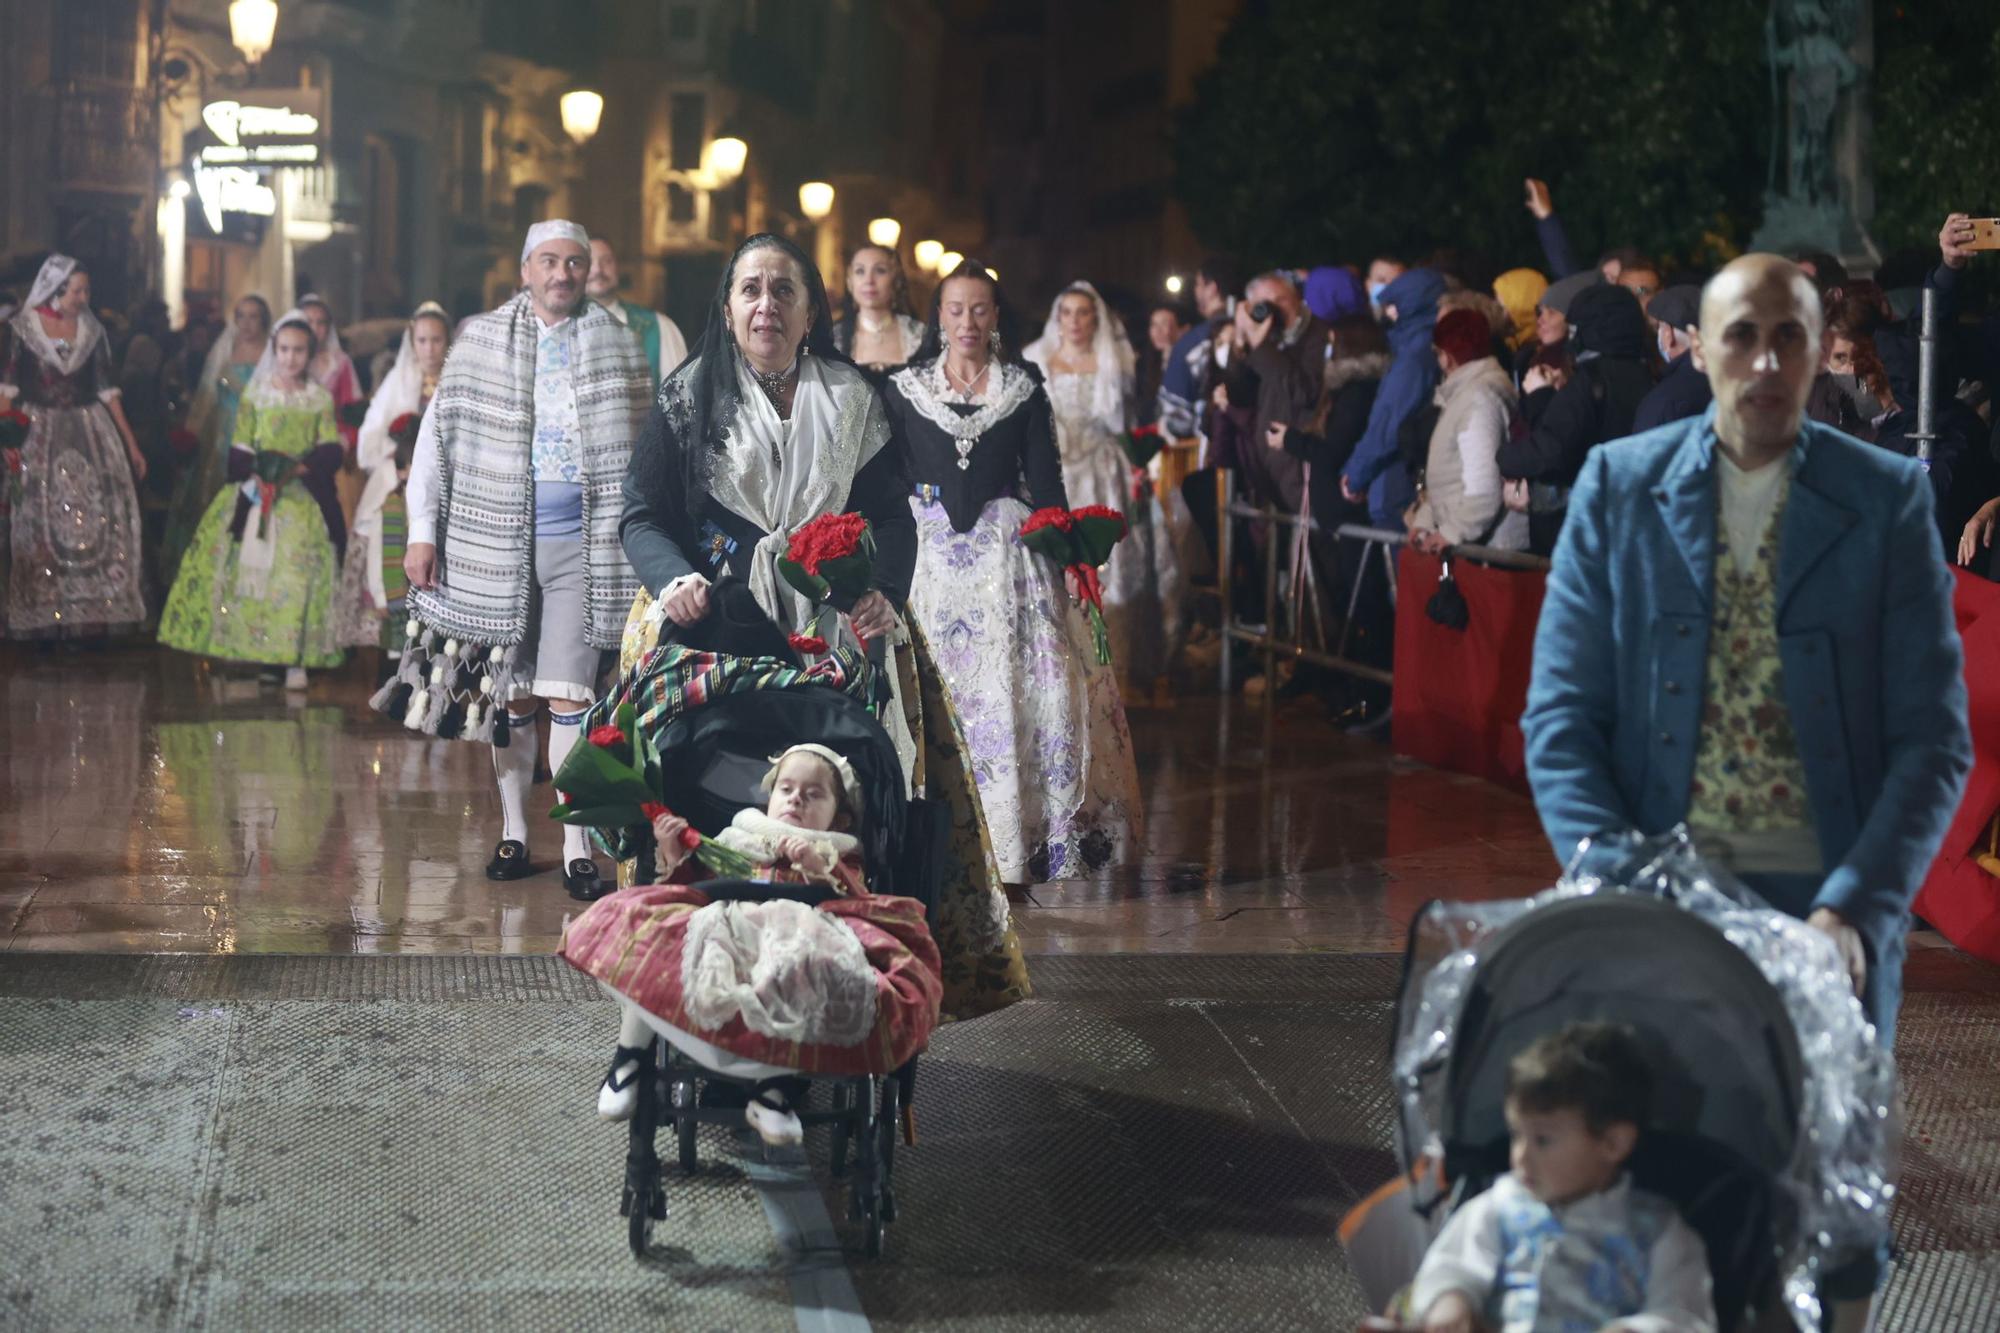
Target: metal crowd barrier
[{"x": 1298, "y": 597}]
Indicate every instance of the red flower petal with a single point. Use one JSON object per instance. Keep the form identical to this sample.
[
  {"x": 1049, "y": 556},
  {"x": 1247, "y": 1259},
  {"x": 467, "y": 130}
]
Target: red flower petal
[{"x": 607, "y": 737}]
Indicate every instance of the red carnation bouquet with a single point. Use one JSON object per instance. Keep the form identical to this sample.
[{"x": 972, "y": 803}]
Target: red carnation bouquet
[
  {"x": 403, "y": 430},
  {"x": 613, "y": 784},
  {"x": 1141, "y": 443},
  {"x": 831, "y": 560},
  {"x": 1080, "y": 540}
]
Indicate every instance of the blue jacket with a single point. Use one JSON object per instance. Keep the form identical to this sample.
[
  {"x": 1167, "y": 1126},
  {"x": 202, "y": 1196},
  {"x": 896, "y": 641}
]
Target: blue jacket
[
  {"x": 1873, "y": 671},
  {"x": 1375, "y": 466}
]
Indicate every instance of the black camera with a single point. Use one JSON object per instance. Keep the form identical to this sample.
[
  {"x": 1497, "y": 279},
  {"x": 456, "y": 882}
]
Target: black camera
[{"x": 1264, "y": 310}]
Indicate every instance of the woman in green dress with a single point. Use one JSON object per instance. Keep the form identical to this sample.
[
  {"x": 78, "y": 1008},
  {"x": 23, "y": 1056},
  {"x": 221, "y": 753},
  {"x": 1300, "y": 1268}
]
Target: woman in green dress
[
  {"x": 212, "y": 420},
  {"x": 258, "y": 581}
]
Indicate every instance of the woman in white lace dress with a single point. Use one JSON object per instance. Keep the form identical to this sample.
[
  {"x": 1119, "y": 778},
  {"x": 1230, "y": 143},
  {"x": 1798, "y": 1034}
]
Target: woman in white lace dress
[
  {"x": 1089, "y": 368},
  {"x": 1042, "y": 719}
]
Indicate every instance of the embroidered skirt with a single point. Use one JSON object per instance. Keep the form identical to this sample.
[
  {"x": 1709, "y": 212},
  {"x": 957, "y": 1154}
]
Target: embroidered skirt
[{"x": 1049, "y": 747}]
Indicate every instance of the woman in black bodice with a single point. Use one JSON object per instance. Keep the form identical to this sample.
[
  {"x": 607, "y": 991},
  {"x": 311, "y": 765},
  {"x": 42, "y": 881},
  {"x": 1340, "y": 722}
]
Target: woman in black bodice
[{"x": 1047, "y": 732}]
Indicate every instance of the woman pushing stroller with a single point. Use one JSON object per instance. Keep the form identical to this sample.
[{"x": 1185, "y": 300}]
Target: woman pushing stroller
[{"x": 774, "y": 989}]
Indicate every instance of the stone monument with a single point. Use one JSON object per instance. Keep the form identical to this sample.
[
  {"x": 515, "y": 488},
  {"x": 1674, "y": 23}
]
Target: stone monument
[{"x": 1820, "y": 191}]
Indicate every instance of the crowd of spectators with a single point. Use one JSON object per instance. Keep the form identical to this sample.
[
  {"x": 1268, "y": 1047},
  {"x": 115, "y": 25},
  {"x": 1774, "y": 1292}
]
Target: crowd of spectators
[{"x": 1430, "y": 396}]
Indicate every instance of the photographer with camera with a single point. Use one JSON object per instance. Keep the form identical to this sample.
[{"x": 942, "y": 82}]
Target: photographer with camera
[{"x": 1277, "y": 364}]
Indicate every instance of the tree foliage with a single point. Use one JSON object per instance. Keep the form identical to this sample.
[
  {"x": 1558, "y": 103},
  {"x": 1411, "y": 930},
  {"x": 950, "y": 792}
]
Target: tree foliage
[
  {"x": 1343, "y": 127},
  {"x": 1338, "y": 128},
  {"x": 1937, "y": 117}
]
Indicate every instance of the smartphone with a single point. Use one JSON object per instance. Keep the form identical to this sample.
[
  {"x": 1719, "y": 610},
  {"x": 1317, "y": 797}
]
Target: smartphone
[{"x": 1985, "y": 234}]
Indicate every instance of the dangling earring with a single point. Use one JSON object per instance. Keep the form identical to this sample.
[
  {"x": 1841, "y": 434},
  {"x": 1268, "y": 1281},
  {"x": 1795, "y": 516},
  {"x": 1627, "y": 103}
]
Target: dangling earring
[{"x": 993, "y": 340}]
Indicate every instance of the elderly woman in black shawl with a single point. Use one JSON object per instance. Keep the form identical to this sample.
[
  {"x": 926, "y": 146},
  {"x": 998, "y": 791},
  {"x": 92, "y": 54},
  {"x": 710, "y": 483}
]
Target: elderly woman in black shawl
[{"x": 763, "y": 428}]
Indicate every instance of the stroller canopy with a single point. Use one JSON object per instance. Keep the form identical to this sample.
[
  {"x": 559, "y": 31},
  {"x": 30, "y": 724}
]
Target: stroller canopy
[
  {"x": 1773, "y": 1109},
  {"x": 1720, "y": 1042},
  {"x": 718, "y": 721}
]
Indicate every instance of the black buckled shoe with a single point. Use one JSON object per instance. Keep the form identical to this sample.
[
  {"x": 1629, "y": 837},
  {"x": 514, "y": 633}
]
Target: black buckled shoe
[
  {"x": 510, "y": 861},
  {"x": 580, "y": 877}
]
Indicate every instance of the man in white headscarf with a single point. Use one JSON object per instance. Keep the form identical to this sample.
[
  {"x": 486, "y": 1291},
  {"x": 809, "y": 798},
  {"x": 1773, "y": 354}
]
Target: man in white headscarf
[
  {"x": 660, "y": 337},
  {"x": 517, "y": 578}
]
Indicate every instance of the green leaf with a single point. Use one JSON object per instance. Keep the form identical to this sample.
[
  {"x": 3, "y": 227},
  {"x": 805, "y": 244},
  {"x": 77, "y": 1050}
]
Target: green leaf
[
  {"x": 593, "y": 775},
  {"x": 809, "y": 586},
  {"x": 612, "y": 814}
]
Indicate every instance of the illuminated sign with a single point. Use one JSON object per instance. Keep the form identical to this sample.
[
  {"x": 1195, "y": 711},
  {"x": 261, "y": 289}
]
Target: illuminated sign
[
  {"x": 232, "y": 190},
  {"x": 264, "y": 154},
  {"x": 287, "y": 115}
]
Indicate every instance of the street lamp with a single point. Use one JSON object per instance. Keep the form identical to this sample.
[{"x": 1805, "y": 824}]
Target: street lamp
[
  {"x": 1174, "y": 284},
  {"x": 928, "y": 253},
  {"x": 885, "y": 232},
  {"x": 815, "y": 200},
  {"x": 582, "y": 111},
  {"x": 252, "y": 26},
  {"x": 722, "y": 161},
  {"x": 948, "y": 263}
]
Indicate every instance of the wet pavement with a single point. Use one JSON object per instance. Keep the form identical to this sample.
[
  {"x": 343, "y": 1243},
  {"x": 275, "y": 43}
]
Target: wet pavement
[
  {"x": 148, "y": 802},
  {"x": 217, "y": 1111}
]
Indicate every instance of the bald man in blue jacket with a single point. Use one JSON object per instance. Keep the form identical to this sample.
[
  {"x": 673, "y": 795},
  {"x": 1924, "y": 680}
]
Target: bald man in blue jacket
[{"x": 1748, "y": 628}]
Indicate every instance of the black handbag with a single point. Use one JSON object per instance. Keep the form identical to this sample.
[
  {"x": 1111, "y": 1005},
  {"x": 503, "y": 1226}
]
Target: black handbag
[{"x": 1447, "y": 605}]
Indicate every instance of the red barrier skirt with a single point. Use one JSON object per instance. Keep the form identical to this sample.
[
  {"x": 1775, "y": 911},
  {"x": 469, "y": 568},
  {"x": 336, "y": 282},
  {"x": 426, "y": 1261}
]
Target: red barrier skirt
[
  {"x": 1459, "y": 693},
  {"x": 1958, "y": 896}
]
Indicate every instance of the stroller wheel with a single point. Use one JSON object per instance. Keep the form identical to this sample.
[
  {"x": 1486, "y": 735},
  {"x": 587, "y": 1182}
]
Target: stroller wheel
[{"x": 640, "y": 1214}]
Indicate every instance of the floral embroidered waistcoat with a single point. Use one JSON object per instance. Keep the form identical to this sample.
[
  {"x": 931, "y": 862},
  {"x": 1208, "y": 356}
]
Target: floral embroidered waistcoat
[{"x": 1748, "y": 776}]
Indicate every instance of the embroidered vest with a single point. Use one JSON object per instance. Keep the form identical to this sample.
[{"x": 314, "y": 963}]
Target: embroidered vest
[
  {"x": 1748, "y": 776},
  {"x": 1576, "y": 1271}
]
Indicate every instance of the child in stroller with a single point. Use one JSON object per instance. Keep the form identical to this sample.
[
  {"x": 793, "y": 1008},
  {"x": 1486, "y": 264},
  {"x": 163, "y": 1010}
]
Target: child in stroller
[
  {"x": 1564, "y": 1239},
  {"x": 815, "y": 977},
  {"x": 1770, "y": 1121}
]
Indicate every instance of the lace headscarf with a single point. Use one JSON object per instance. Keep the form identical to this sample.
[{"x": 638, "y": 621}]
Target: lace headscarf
[
  {"x": 1112, "y": 352},
  {"x": 49, "y": 280},
  {"x": 67, "y": 355},
  {"x": 264, "y": 386},
  {"x": 401, "y": 390},
  {"x": 327, "y": 360},
  {"x": 700, "y": 399},
  {"x": 206, "y": 407}
]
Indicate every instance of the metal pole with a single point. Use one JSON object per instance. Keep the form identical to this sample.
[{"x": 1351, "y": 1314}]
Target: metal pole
[
  {"x": 1225, "y": 497},
  {"x": 1926, "y": 433}
]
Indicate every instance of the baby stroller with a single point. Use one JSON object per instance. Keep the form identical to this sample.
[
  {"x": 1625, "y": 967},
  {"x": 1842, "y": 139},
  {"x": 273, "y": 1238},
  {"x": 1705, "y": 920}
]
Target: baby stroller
[
  {"x": 717, "y": 749},
  {"x": 1770, "y": 1129}
]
